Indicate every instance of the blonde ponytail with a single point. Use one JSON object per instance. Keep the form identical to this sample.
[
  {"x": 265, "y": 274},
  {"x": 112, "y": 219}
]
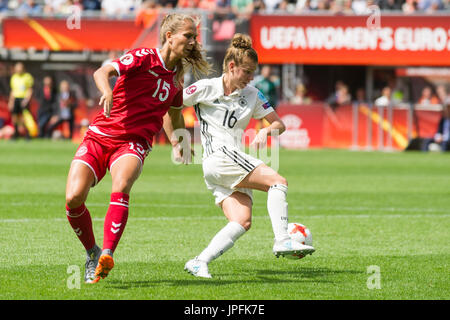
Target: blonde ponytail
[{"x": 196, "y": 61}]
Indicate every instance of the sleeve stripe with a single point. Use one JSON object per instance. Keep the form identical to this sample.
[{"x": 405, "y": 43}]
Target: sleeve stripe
[{"x": 116, "y": 66}]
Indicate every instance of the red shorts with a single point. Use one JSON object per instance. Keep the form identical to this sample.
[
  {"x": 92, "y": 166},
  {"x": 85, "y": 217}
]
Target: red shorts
[{"x": 101, "y": 154}]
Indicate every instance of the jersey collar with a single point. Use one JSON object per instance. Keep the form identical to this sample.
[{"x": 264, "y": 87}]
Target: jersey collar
[
  {"x": 162, "y": 61},
  {"x": 236, "y": 92}
]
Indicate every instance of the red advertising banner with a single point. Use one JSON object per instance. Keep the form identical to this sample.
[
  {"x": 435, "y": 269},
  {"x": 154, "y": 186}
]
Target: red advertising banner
[
  {"x": 318, "y": 126},
  {"x": 397, "y": 40},
  {"x": 92, "y": 34}
]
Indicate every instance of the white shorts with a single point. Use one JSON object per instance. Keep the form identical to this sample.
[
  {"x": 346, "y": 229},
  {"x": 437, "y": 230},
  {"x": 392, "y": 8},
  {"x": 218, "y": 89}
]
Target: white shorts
[{"x": 226, "y": 168}]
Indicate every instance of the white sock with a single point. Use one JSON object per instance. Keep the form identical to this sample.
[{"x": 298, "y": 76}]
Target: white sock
[
  {"x": 278, "y": 210},
  {"x": 222, "y": 242}
]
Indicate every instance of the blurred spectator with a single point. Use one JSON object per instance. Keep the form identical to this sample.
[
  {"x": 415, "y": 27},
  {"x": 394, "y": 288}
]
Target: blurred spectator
[
  {"x": 347, "y": 7},
  {"x": 397, "y": 89},
  {"x": 62, "y": 7},
  {"x": 223, "y": 7},
  {"x": 188, "y": 4},
  {"x": 54, "y": 6},
  {"x": 300, "y": 95},
  {"x": 302, "y": 6},
  {"x": 92, "y": 5},
  {"x": 341, "y": 96},
  {"x": 46, "y": 97},
  {"x": 320, "y": 5},
  {"x": 19, "y": 99},
  {"x": 76, "y": 3},
  {"x": 265, "y": 84},
  {"x": 430, "y": 6},
  {"x": 117, "y": 8},
  {"x": 441, "y": 92},
  {"x": 390, "y": 4},
  {"x": 3, "y": 6},
  {"x": 28, "y": 8},
  {"x": 259, "y": 6},
  {"x": 441, "y": 140},
  {"x": 271, "y": 5},
  {"x": 284, "y": 6},
  {"x": 209, "y": 5},
  {"x": 409, "y": 7},
  {"x": 242, "y": 9},
  {"x": 361, "y": 7},
  {"x": 167, "y": 3},
  {"x": 197, "y": 4},
  {"x": 385, "y": 99},
  {"x": 428, "y": 97},
  {"x": 67, "y": 7},
  {"x": 336, "y": 6},
  {"x": 147, "y": 14},
  {"x": 66, "y": 105},
  {"x": 360, "y": 96}
]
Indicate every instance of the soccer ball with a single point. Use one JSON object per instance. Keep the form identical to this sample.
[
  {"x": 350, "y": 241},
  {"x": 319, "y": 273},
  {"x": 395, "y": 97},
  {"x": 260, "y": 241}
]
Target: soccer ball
[{"x": 300, "y": 233}]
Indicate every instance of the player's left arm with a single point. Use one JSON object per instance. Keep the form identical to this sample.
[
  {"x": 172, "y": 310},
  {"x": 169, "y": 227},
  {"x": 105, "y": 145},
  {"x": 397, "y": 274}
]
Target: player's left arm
[
  {"x": 275, "y": 123},
  {"x": 276, "y": 127},
  {"x": 173, "y": 124},
  {"x": 172, "y": 121}
]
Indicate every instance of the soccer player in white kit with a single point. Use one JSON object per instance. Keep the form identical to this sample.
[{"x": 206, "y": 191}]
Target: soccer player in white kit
[{"x": 224, "y": 107}]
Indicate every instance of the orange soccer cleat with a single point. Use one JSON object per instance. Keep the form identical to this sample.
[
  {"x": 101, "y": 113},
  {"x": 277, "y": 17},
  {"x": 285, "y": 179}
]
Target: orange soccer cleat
[{"x": 105, "y": 264}]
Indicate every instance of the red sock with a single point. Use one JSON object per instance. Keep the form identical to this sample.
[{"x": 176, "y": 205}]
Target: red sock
[
  {"x": 115, "y": 220},
  {"x": 81, "y": 222}
]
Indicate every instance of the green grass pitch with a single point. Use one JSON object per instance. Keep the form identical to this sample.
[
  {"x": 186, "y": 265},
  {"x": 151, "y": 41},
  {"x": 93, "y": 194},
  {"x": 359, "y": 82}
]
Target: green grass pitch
[{"x": 388, "y": 212}]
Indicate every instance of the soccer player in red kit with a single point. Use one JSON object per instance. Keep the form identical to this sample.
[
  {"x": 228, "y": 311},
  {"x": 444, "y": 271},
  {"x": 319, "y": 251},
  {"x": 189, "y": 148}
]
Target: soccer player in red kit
[{"x": 119, "y": 138}]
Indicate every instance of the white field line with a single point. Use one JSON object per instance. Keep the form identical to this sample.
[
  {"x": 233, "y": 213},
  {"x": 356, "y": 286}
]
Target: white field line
[
  {"x": 211, "y": 205},
  {"x": 220, "y": 217}
]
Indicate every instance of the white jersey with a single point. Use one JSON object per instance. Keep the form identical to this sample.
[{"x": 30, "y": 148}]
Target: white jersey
[{"x": 222, "y": 118}]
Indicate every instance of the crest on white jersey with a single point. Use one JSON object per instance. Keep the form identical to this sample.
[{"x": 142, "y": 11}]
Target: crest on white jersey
[{"x": 242, "y": 102}]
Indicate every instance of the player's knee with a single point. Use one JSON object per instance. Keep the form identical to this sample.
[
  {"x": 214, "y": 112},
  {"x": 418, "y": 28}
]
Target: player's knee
[
  {"x": 280, "y": 180},
  {"x": 246, "y": 224},
  {"x": 123, "y": 185},
  {"x": 74, "y": 200}
]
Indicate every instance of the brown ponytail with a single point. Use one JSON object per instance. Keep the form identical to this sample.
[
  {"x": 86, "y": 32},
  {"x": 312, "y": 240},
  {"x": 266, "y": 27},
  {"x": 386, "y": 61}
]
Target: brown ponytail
[{"x": 239, "y": 49}]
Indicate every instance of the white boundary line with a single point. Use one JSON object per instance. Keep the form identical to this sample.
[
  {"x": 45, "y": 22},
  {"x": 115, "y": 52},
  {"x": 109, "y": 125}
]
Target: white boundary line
[
  {"x": 220, "y": 217},
  {"x": 296, "y": 208}
]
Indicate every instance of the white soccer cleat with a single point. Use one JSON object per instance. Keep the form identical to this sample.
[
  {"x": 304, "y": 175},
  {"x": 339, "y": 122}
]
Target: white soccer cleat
[
  {"x": 91, "y": 264},
  {"x": 197, "y": 268},
  {"x": 290, "y": 247}
]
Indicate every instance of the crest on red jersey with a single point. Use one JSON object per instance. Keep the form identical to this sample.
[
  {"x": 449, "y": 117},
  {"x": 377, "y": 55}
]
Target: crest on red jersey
[
  {"x": 126, "y": 59},
  {"x": 81, "y": 151}
]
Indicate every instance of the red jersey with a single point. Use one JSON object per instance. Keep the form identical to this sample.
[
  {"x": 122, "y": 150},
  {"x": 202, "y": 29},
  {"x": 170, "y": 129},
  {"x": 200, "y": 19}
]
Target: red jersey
[{"x": 143, "y": 93}]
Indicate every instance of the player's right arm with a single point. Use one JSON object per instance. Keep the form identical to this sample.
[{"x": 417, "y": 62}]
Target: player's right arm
[
  {"x": 11, "y": 101},
  {"x": 101, "y": 78}
]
